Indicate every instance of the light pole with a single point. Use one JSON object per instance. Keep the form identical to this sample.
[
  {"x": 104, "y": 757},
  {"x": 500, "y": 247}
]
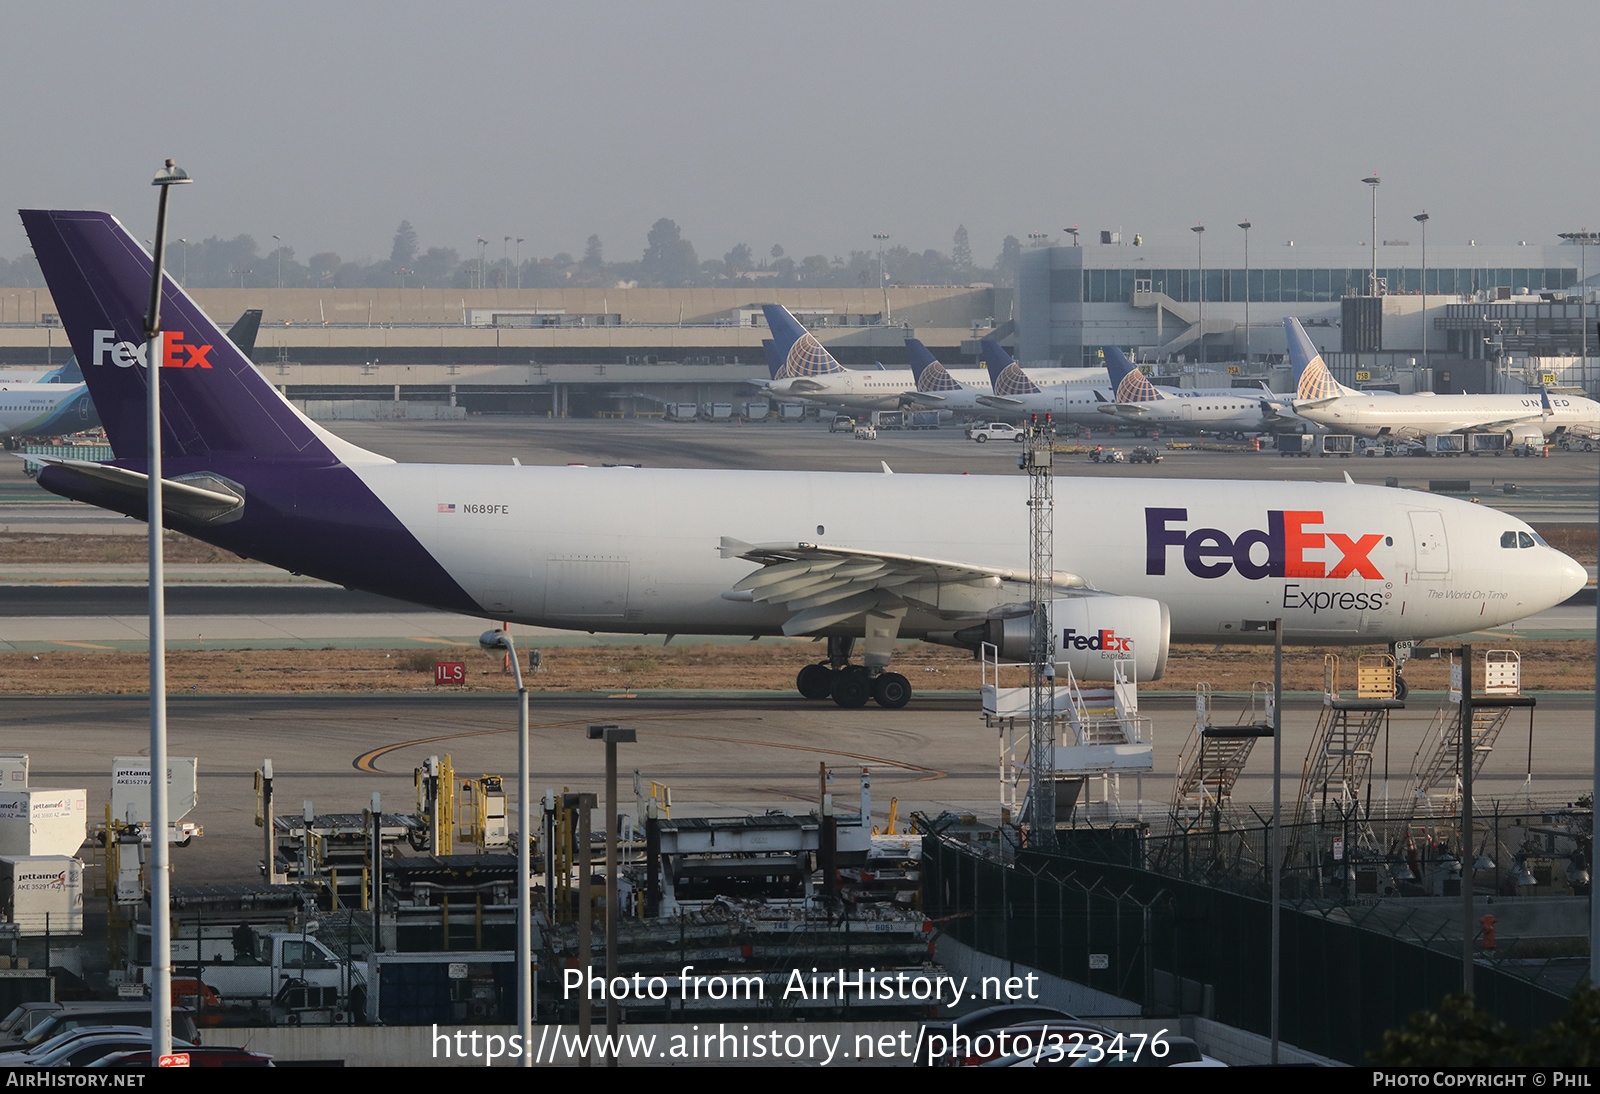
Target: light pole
[
  {"x": 1583, "y": 239},
  {"x": 280, "y": 261},
  {"x": 519, "y": 263},
  {"x": 612, "y": 735},
  {"x": 1245, "y": 224},
  {"x": 1422, "y": 219},
  {"x": 483, "y": 253},
  {"x": 500, "y": 640},
  {"x": 1372, "y": 181},
  {"x": 160, "y": 852},
  {"x": 1199, "y": 231},
  {"x": 1072, "y": 231},
  {"x": 883, "y": 282},
  {"x": 185, "y": 282}
]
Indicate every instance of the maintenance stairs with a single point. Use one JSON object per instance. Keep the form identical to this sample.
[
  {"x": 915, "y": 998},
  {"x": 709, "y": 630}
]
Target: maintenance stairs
[
  {"x": 1098, "y": 730},
  {"x": 1338, "y": 765},
  {"x": 1434, "y": 782},
  {"x": 1214, "y": 756}
]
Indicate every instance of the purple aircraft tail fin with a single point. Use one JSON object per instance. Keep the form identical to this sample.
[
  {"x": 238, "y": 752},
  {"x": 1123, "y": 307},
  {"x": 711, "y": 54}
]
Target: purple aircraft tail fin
[{"x": 213, "y": 401}]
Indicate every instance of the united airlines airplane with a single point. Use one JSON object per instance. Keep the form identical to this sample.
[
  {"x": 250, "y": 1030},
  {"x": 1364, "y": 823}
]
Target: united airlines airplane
[
  {"x": 1223, "y": 410},
  {"x": 853, "y": 557},
  {"x": 802, "y": 368},
  {"x": 1525, "y": 419}
]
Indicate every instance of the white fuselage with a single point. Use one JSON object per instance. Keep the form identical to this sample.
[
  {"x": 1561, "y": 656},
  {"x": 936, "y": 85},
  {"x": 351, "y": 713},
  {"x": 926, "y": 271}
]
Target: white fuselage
[
  {"x": 636, "y": 550},
  {"x": 1227, "y": 410},
  {"x": 1415, "y": 416},
  {"x": 33, "y": 408},
  {"x": 890, "y": 389}
]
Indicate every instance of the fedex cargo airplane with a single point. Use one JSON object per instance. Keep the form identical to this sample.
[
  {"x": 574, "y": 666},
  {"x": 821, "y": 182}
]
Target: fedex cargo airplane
[
  {"x": 850, "y": 557},
  {"x": 1529, "y": 419}
]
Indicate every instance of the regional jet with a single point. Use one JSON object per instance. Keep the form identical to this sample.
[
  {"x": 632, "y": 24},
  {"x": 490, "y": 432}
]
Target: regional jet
[
  {"x": 850, "y": 557},
  {"x": 1525, "y": 419},
  {"x": 1221, "y": 410}
]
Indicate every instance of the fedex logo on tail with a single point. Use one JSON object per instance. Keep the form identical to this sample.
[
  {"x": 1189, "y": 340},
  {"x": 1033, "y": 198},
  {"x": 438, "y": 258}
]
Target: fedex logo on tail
[
  {"x": 1285, "y": 542},
  {"x": 175, "y": 352}
]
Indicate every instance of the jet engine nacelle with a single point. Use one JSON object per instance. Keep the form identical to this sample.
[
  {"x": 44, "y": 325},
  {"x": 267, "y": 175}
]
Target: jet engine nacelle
[{"x": 1091, "y": 634}]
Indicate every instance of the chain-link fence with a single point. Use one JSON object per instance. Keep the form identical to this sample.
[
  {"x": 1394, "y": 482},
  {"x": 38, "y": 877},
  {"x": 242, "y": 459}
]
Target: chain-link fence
[{"x": 1171, "y": 942}]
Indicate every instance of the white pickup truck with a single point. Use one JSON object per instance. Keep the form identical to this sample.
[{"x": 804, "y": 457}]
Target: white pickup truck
[
  {"x": 295, "y": 977},
  {"x": 994, "y": 431}
]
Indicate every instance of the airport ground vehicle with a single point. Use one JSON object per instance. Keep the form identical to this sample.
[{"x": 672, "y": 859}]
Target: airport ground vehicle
[
  {"x": 1107, "y": 455},
  {"x": 994, "y": 431},
  {"x": 296, "y": 978},
  {"x": 1144, "y": 454},
  {"x": 842, "y": 423}
]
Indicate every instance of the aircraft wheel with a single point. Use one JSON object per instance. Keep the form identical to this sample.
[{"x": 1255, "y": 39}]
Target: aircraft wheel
[
  {"x": 1400, "y": 688},
  {"x": 891, "y": 690},
  {"x": 851, "y": 688},
  {"x": 815, "y": 682}
]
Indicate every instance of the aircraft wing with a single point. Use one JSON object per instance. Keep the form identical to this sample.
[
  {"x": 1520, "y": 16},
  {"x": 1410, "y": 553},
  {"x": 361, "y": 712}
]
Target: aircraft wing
[
  {"x": 1476, "y": 426},
  {"x": 1000, "y": 401},
  {"x": 1132, "y": 410},
  {"x": 908, "y": 397},
  {"x": 801, "y": 384},
  {"x": 823, "y": 586}
]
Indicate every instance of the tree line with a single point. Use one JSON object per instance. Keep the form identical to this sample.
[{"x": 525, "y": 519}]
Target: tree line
[{"x": 669, "y": 260}]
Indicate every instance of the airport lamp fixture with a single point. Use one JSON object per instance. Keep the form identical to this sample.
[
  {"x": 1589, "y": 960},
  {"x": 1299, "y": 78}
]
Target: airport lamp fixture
[
  {"x": 1199, "y": 231},
  {"x": 1373, "y": 181},
  {"x": 1583, "y": 239},
  {"x": 169, "y": 176},
  {"x": 490, "y": 641},
  {"x": 1245, "y": 224},
  {"x": 1422, "y": 220},
  {"x": 883, "y": 280},
  {"x": 1073, "y": 232}
]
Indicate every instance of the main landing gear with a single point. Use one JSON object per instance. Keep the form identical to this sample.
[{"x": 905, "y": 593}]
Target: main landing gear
[{"x": 850, "y": 685}]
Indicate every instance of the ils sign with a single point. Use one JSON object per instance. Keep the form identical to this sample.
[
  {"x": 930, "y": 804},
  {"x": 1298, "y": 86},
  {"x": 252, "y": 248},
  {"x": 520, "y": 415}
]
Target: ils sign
[{"x": 449, "y": 672}]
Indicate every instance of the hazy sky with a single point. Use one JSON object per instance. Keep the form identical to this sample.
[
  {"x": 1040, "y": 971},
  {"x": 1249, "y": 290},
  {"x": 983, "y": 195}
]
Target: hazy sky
[{"x": 808, "y": 124}]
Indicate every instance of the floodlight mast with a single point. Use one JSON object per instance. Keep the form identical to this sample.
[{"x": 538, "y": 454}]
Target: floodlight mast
[
  {"x": 169, "y": 176},
  {"x": 1038, "y": 460}
]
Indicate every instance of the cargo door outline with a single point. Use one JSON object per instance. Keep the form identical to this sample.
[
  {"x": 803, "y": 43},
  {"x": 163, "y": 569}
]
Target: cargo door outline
[
  {"x": 586, "y": 587},
  {"x": 1432, "y": 549}
]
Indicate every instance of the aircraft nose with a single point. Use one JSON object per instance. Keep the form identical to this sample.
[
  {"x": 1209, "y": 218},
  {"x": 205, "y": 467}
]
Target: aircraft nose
[{"x": 1573, "y": 578}]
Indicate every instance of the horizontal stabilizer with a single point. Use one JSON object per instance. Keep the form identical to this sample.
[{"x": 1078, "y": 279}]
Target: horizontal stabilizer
[{"x": 199, "y": 497}]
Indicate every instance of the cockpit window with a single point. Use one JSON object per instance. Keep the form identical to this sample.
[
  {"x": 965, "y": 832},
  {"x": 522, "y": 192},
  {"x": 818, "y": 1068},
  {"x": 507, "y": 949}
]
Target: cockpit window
[
  {"x": 1524, "y": 539},
  {"x": 1508, "y": 539}
]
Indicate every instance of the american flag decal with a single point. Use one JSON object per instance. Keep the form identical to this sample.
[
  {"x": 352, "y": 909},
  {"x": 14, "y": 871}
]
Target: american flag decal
[{"x": 447, "y": 507}]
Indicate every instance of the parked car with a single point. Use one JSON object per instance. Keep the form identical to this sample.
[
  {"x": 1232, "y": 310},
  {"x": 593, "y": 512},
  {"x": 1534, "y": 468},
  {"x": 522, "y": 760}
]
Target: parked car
[
  {"x": 209, "y": 1056},
  {"x": 994, "y": 431}
]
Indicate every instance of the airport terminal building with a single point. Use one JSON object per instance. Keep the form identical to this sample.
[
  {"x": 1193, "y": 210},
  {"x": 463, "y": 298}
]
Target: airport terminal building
[{"x": 1485, "y": 306}]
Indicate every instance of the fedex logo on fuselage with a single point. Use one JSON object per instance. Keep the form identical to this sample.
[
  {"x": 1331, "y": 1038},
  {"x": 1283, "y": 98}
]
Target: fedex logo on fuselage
[
  {"x": 175, "y": 352},
  {"x": 1288, "y": 536}
]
